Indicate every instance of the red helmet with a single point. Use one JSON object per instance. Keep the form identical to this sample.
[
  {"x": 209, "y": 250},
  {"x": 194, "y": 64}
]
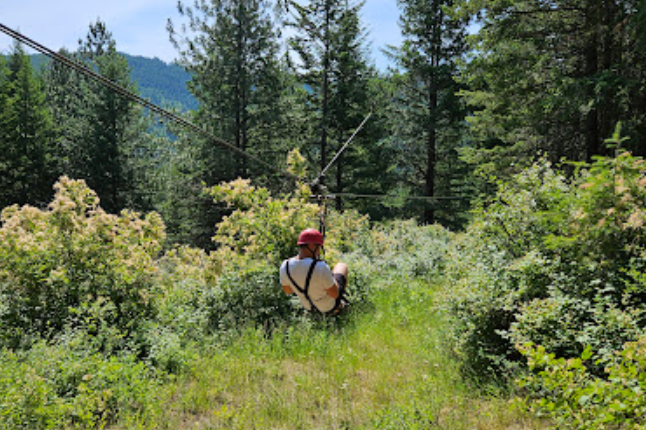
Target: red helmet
[{"x": 310, "y": 236}]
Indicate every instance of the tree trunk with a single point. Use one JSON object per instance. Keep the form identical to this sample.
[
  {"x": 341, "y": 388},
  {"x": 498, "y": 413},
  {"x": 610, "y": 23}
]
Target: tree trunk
[
  {"x": 431, "y": 159},
  {"x": 325, "y": 89},
  {"x": 431, "y": 144},
  {"x": 591, "y": 131},
  {"x": 339, "y": 181}
]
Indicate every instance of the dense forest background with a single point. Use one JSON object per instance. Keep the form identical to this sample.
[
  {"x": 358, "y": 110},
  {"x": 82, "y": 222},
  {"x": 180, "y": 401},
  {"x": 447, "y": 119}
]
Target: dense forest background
[{"x": 537, "y": 79}]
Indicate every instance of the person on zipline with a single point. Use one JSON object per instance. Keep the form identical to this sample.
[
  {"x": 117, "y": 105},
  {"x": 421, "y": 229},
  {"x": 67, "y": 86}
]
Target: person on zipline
[{"x": 318, "y": 288}]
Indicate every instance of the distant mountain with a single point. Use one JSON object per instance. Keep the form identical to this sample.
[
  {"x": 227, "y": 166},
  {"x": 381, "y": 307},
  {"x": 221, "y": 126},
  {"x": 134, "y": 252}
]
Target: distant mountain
[{"x": 162, "y": 83}]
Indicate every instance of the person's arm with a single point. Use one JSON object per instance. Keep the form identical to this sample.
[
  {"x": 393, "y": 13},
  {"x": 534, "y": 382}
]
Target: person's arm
[
  {"x": 333, "y": 291},
  {"x": 283, "y": 279},
  {"x": 325, "y": 277}
]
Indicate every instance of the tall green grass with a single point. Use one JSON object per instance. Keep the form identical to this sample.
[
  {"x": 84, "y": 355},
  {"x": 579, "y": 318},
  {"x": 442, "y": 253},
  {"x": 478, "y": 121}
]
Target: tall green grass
[{"x": 382, "y": 367}]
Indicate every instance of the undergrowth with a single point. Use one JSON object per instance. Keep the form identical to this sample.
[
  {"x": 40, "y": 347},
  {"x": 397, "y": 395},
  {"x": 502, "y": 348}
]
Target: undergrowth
[
  {"x": 188, "y": 339},
  {"x": 381, "y": 369},
  {"x": 99, "y": 329}
]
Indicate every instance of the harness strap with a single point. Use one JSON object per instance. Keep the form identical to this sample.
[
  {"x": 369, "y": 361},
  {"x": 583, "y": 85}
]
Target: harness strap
[{"x": 304, "y": 291}]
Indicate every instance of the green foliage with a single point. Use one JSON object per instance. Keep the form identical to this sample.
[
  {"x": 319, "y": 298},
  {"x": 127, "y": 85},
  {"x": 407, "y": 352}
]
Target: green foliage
[
  {"x": 552, "y": 77},
  {"x": 99, "y": 135},
  {"x": 265, "y": 228},
  {"x": 403, "y": 249},
  {"x": 73, "y": 264},
  {"x": 67, "y": 386},
  {"x": 230, "y": 48},
  {"x": 329, "y": 41},
  {"x": 552, "y": 262},
  {"x": 427, "y": 112},
  {"x": 257, "y": 237},
  {"x": 262, "y": 227},
  {"x": 245, "y": 297},
  {"x": 26, "y": 168},
  {"x": 575, "y": 398}
]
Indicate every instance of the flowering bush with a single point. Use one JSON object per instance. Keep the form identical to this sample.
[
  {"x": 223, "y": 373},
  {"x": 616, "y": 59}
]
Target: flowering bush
[
  {"x": 263, "y": 228},
  {"x": 552, "y": 261},
  {"x": 253, "y": 241},
  {"x": 75, "y": 265}
]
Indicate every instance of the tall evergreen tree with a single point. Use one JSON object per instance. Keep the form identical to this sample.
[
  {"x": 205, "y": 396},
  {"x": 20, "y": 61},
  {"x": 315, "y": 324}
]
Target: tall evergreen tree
[
  {"x": 330, "y": 45},
  {"x": 25, "y": 174},
  {"x": 231, "y": 49},
  {"x": 554, "y": 77},
  {"x": 115, "y": 122},
  {"x": 67, "y": 94},
  {"x": 100, "y": 134},
  {"x": 428, "y": 113},
  {"x": 4, "y": 108}
]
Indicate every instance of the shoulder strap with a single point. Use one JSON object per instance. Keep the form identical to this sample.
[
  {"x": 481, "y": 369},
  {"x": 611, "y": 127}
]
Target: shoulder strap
[{"x": 304, "y": 291}]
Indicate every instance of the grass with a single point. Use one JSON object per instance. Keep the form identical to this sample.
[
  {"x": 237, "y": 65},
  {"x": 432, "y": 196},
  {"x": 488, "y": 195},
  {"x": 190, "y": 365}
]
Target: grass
[{"x": 385, "y": 367}]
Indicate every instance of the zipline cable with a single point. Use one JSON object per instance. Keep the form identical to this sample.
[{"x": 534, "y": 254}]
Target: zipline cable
[
  {"x": 135, "y": 98},
  {"x": 338, "y": 154},
  {"x": 395, "y": 197}
]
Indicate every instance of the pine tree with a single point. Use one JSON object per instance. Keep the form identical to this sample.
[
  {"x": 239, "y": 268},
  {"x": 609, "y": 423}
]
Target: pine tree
[
  {"x": 100, "y": 136},
  {"x": 25, "y": 174},
  {"x": 231, "y": 50},
  {"x": 68, "y": 99},
  {"x": 332, "y": 63},
  {"x": 235, "y": 70},
  {"x": 4, "y": 108},
  {"x": 554, "y": 77},
  {"x": 428, "y": 113},
  {"x": 115, "y": 121}
]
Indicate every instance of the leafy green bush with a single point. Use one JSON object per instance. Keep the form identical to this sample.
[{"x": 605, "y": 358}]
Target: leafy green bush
[
  {"x": 67, "y": 386},
  {"x": 407, "y": 249},
  {"x": 254, "y": 240},
  {"x": 182, "y": 316},
  {"x": 265, "y": 228},
  {"x": 248, "y": 296},
  {"x": 552, "y": 261},
  {"x": 575, "y": 398},
  {"x": 75, "y": 265}
]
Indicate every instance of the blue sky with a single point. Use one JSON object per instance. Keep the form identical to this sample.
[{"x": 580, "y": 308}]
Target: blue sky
[{"x": 139, "y": 26}]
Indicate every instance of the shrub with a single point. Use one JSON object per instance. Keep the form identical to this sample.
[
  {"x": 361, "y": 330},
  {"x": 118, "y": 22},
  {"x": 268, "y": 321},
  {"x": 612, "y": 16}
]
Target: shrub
[
  {"x": 265, "y": 228},
  {"x": 254, "y": 240},
  {"x": 73, "y": 264},
  {"x": 248, "y": 296},
  {"x": 407, "y": 249},
  {"x": 67, "y": 386},
  {"x": 554, "y": 262},
  {"x": 496, "y": 265},
  {"x": 182, "y": 316},
  {"x": 575, "y": 398}
]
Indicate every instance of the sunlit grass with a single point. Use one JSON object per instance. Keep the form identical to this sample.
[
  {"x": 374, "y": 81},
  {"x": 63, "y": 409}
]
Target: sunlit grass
[{"x": 383, "y": 367}]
